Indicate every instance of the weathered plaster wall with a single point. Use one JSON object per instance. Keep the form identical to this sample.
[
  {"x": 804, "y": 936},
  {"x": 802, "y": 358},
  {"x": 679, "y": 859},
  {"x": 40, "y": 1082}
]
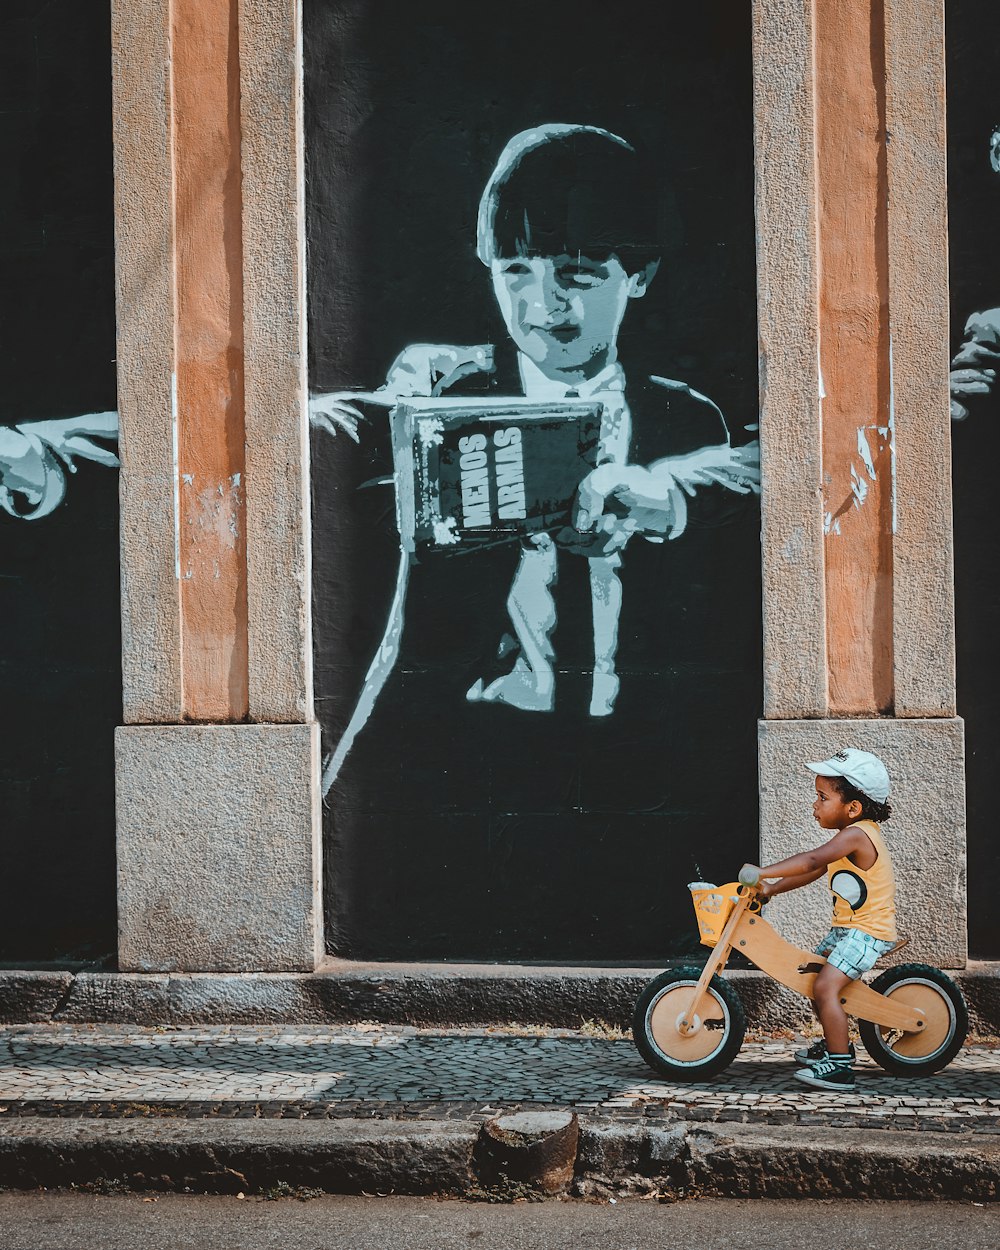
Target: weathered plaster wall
[
  {"x": 277, "y": 452},
  {"x": 208, "y": 342},
  {"x": 795, "y": 674},
  {"x": 923, "y": 588},
  {"x": 925, "y": 834},
  {"x": 144, "y": 243},
  {"x": 214, "y": 868},
  {"x": 854, "y": 354},
  {"x": 876, "y": 586},
  {"x": 214, "y": 540}
]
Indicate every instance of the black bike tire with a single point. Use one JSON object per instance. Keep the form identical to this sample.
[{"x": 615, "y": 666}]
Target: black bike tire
[
  {"x": 884, "y": 1056},
  {"x": 716, "y": 1062}
]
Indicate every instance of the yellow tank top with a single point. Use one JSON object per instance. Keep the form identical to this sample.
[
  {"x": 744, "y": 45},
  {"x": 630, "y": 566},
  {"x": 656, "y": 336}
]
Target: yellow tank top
[{"x": 865, "y": 898}]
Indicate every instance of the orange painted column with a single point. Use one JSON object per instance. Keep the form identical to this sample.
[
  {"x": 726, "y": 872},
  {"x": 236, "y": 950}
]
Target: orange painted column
[
  {"x": 208, "y": 263},
  {"x": 855, "y": 359}
]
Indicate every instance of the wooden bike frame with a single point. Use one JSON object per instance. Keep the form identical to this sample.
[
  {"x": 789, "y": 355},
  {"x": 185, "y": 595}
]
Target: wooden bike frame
[{"x": 748, "y": 932}]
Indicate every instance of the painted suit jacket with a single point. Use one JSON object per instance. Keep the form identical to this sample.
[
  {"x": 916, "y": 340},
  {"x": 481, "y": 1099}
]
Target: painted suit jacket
[{"x": 689, "y": 633}]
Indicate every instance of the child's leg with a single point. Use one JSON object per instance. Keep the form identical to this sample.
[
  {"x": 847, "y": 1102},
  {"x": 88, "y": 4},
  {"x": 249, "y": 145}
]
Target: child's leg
[
  {"x": 606, "y": 602},
  {"x": 531, "y": 683},
  {"x": 829, "y": 987}
]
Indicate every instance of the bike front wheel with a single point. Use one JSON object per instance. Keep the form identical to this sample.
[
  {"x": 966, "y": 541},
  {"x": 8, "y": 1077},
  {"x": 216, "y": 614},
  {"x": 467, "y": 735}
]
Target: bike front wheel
[
  {"x": 945, "y": 1015},
  {"x": 708, "y": 1048}
]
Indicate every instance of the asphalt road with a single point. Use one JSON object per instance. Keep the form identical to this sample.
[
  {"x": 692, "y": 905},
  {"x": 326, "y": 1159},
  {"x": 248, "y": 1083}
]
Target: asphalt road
[{"x": 58, "y": 1221}]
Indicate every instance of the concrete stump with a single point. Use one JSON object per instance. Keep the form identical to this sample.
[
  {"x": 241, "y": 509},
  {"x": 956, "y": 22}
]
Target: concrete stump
[{"x": 536, "y": 1149}]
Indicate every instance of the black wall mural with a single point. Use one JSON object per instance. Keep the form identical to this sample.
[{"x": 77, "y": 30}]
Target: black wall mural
[
  {"x": 60, "y": 667},
  {"x": 537, "y": 565},
  {"x": 973, "y": 43}
]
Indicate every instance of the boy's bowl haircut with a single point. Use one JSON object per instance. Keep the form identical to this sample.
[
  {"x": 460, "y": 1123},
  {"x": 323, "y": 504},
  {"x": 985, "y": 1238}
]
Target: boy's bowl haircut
[{"x": 568, "y": 190}]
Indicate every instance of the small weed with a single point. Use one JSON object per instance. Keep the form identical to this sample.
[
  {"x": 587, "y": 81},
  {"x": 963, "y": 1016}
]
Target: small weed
[
  {"x": 982, "y": 1039},
  {"x": 602, "y": 1029},
  {"x": 685, "y": 1193},
  {"x": 522, "y": 1030},
  {"x": 505, "y": 1190},
  {"x": 282, "y": 1189},
  {"x": 778, "y": 1034},
  {"x": 151, "y": 1110},
  {"x": 102, "y": 1185}
]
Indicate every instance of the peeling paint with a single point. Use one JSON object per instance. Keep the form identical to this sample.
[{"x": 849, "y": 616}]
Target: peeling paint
[
  {"x": 859, "y": 487},
  {"x": 865, "y": 452},
  {"x": 795, "y": 546},
  {"x": 891, "y": 432},
  {"x": 431, "y": 431},
  {"x": 216, "y": 513},
  {"x": 446, "y": 531}
]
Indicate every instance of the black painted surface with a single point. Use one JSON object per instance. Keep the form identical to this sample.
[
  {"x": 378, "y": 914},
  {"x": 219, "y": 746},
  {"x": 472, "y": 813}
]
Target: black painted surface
[
  {"x": 973, "y": 39},
  {"x": 474, "y": 830},
  {"x": 60, "y": 668}
]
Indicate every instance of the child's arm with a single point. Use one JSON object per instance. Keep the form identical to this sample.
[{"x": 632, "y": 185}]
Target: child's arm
[
  {"x": 430, "y": 368},
  {"x": 810, "y": 865},
  {"x": 769, "y": 889},
  {"x": 654, "y": 497}
]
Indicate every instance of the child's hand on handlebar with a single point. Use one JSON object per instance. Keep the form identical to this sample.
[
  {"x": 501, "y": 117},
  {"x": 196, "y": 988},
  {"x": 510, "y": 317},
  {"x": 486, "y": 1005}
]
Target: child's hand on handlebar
[{"x": 750, "y": 874}]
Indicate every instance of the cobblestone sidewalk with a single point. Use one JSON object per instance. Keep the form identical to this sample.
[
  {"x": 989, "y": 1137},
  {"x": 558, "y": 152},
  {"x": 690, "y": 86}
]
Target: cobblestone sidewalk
[{"x": 388, "y": 1072}]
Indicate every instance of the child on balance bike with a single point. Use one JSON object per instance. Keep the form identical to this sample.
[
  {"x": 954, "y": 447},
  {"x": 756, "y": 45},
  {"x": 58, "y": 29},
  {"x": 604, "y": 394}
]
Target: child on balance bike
[{"x": 852, "y": 789}]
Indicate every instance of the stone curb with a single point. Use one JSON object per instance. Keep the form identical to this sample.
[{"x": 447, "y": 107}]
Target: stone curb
[
  {"x": 356, "y": 1156},
  {"x": 417, "y": 994}
]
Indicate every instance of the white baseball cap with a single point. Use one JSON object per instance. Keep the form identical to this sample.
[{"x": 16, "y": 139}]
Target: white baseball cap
[{"x": 864, "y": 771}]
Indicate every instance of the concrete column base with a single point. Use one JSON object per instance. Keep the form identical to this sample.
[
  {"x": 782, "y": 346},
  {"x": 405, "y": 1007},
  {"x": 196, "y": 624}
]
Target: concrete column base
[
  {"x": 218, "y": 848},
  {"x": 926, "y": 835}
]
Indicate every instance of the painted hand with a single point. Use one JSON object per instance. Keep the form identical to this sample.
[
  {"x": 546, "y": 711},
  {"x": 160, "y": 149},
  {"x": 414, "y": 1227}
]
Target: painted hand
[
  {"x": 610, "y": 534},
  {"x": 735, "y": 468},
  {"x": 69, "y": 437},
  {"x": 653, "y": 498},
  {"x": 430, "y": 368},
  {"x": 35, "y": 456},
  {"x": 335, "y": 414},
  {"x": 625, "y": 498},
  {"x": 974, "y": 369}
]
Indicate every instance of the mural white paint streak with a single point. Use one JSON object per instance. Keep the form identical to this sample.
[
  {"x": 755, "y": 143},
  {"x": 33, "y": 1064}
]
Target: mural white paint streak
[
  {"x": 376, "y": 677},
  {"x": 175, "y": 454},
  {"x": 890, "y": 433}
]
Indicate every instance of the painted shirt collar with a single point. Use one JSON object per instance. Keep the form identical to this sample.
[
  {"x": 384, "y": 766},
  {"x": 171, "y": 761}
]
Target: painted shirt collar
[{"x": 538, "y": 386}]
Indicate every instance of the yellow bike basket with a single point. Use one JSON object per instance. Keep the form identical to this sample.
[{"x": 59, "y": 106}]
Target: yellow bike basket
[{"x": 712, "y": 905}]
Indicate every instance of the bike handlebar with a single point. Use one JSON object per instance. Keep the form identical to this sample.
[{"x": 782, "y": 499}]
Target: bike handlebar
[{"x": 749, "y": 875}]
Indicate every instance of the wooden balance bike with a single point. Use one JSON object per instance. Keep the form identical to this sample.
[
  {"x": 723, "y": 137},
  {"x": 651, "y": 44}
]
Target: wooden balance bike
[{"x": 689, "y": 1023}]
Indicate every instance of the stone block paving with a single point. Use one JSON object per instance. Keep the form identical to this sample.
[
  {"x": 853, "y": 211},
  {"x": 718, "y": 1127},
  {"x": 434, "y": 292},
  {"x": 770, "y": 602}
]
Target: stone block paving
[{"x": 403, "y": 1073}]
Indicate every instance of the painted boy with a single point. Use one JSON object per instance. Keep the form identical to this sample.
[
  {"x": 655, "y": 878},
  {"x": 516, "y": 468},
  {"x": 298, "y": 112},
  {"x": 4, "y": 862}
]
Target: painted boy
[{"x": 566, "y": 228}]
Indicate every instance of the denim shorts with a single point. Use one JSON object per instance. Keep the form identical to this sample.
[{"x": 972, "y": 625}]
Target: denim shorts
[{"x": 852, "y": 951}]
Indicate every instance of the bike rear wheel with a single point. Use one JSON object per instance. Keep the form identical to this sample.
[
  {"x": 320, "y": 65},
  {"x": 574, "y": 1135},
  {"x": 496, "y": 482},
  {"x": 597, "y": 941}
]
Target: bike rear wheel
[
  {"x": 693, "y": 1056},
  {"x": 946, "y": 1021}
]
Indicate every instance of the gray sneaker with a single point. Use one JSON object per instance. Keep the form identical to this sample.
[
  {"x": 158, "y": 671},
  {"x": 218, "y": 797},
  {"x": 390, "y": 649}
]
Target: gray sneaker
[
  {"x": 817, "y": 1052},
  {"x": 827, "y": 1074}
]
